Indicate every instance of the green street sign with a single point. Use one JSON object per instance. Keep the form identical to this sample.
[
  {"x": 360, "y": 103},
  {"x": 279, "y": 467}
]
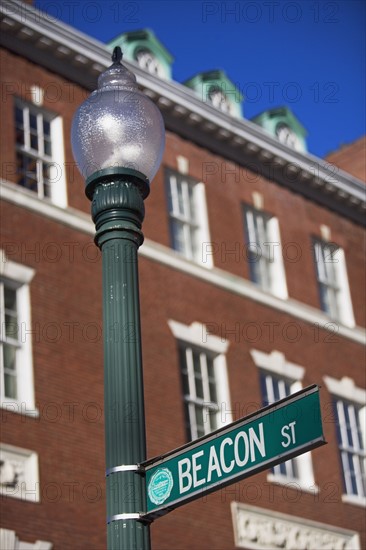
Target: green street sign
[{"x": 254, "y": 443}]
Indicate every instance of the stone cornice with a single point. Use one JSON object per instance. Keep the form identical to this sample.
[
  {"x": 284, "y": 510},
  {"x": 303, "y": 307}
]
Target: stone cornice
[{"x": 80, "y": 58}]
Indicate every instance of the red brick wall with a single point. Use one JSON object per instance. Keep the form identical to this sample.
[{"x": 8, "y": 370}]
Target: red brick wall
[
  {"x": 69, "y": 442},
  {"x": 299, "y": 219},
  {"x": 67, "y": 347},
  {"x": 351, "y": 158}
]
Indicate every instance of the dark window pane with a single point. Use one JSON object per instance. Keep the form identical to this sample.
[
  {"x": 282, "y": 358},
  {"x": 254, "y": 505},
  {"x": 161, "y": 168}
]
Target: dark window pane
[
  {"x": 191, "y": 203},
  {"x": 294, "y": 468},
  {"x": 276, "y": 390},
  {"x": 30, "y": 183},
  {"x": 187, "y": 422},
  {"x": 9, "y": 357},
  {"x": 46, "y": 128},
  {"x": 31, "y": 166},
  {"x": 47, "y": 147},
  {"x": 33, "y": 121},
  {"x": 20, "y": 162},
  {"x": 287, "y": 388},
  {"x": 352, "y": 472},
  {"x": 254, "y": 267},
  {"x": 10, "y": 299},
  {"x": 20, "y": 170},
  {"x": 210, "y": 368},
  {"x": 180, "y": 198},
  {"x": 19, "y": 117},
  {"x": 282, "y": 468},
  {"x": 46, "y": 168},
  {"x": 193, "y": 240},
  {"x": 213, "y": 420},
  {"x": 213, "y": 393},
  {"x": 176, "y": 229},
  {"x": 19, "y": 136},
  {"x": 185, "y": 384},
  {"x": 199, "y": 421},
  {"x": 265, "y": 399},
  {"x": 34, "y": 141},
  {"x": 196, "y": 363},
  {"x": 10, "y": 383},
  {"x": 11, "y": 326},
  {"x": 182, "y": 360},
  {"x": 199, "y": 387},
  {"x": 46, "y": 189}
]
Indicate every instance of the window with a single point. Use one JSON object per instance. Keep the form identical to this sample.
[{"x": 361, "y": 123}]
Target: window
[
  {"x": 199, "y": 390},
  {"x": 9, "y": 338},
  {"x": 38, "y": 146},
  {"x": 351, "y": 447},
  {"x": 350, "y": 415},
  {"x": 273, "y": 389},
  {"x": 204, "y": 379},
  {"x": 16, "y": 369},
  {"x": 335, "y": 299},
  {"x": 264, "y": 251},
  {"x": 188, "y": 222},
  {"x": 280, "y": 378}
]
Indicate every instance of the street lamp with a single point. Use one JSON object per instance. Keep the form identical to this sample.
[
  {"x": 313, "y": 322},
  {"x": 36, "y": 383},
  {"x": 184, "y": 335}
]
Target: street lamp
[{"x": 118, "y": 142}]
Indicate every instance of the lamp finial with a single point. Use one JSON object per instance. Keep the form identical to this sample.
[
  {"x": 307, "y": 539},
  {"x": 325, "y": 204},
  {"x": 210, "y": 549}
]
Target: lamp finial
[{"x": 117, "y": 55}]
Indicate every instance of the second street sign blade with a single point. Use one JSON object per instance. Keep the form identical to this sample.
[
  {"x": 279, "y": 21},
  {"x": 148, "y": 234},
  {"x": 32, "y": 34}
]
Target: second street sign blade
[{"x": 259, "y": 441}]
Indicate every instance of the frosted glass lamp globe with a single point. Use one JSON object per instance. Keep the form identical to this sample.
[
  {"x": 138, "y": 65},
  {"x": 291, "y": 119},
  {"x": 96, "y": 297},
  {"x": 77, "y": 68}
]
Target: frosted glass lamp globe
[{"x": 118, "y": 128}]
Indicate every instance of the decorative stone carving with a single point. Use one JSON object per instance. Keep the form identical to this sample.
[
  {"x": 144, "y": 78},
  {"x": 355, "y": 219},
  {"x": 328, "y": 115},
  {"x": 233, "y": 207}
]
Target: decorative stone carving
[
  {"x": 11, "y": 472},
  {"x": 19, "y": 477},
  {"x": 9, "y": 541},
  {"x": 257, "y": 528}
]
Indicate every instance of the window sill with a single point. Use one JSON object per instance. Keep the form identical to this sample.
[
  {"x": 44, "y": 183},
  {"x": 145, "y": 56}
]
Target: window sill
[
  {"x": 353, "y": 499},
  {"x": 195, "y": 261},
  {"x": 270, "y": 291},
  {"x": 19, "y": 408},
  {"x": 302, "y": 484},
  {"x": 21, "y": 492},
  {"x": 336, "y": 321}
]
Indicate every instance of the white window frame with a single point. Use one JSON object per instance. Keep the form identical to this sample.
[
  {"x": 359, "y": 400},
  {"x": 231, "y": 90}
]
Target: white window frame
[
  {"x": 275, "y": 364},
  {"x": 197, "y": 337},
  {"x": 194, "y": 225},
  {"x": 265, "y": 247},
  {"x": 331, "y": 273},
  {"x": 346, "y": 392},
  {"x": 57, "y": 182},
  {"x": 24, "y": 464},
  {"x": 20, "y": 276},
  {"x": 206, "y": 404}
]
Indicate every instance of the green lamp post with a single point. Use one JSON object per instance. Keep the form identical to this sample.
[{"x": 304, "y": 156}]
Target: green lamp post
[{"x": 118, "y": 142}]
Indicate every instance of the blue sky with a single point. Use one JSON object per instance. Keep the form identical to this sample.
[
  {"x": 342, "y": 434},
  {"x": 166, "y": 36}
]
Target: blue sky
[{"x": 307, "y": 54}]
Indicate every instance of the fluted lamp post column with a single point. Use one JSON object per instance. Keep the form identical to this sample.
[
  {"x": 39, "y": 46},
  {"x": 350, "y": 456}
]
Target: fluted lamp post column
[{"x": 118, "y": 142}]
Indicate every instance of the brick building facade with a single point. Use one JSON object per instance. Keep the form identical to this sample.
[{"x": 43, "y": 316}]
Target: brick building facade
[{"x": 251, "y": 285}]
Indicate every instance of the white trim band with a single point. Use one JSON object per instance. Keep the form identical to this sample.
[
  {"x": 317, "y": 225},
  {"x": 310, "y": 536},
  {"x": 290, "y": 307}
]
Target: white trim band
[
  {"x": 156, "y": 252},
  {"x": 118, "y": 517},
  {"x": 123, "y": 468}
]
